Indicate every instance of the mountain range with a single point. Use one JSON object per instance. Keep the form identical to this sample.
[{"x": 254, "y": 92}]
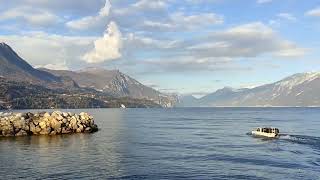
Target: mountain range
[
  {"x": 115, "y": 83},
  {"x": 23, "y": 86},
  {"x": 106, "y": 84},
  {"x": 301, "y": 89}
]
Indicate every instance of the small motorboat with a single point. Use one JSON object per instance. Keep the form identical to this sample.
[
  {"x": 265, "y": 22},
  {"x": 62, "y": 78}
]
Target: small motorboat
[
  {"x": 123, "y": 106},
  {"x": 266, "y": 132}
]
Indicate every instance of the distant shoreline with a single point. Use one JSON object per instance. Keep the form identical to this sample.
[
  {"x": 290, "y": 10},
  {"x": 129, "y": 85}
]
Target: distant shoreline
[
  {"x": 2, "y": 110},
  {"x": 252, "y": 107}
]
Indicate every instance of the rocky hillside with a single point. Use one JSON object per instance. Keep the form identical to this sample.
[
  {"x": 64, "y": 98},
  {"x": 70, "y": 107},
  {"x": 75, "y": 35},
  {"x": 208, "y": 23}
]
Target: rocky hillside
[
  {"x": 14, "y": 68},
  {"x": 297, "y": 90},
  {"x": 187, "y": 101},
  {"x": 22, "y": 86},
  {"x": 22, "y": 95},
  {"x": 115, "y": 83}
]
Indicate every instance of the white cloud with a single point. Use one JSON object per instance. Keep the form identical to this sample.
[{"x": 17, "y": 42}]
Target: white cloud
[
  {"x": 133, "y": 41},
  {"x": 216, "y": 51},
  {"x": 198, "y": 20},
  {"x": 291, "y": 52},
  {"x": 74, "y": 7},
  {"x": 107, "y": 47},
  {"x": 202, "y": 1},
  {"x": 248, "y": 40},
  {"x": 41, "y": 49},
  {"x": 91, "y": 21},
  {"x": 181, "y": 21},
  {"x": 158, "y": 25},
  {"x": 274, "y": 23},
  {"x": 58, "y": 66},
  {"x": 282, "y": 18},
  {"x": 141, "y": 6},
  {"x": 180, "y": 64},
  {"x": 32, "y": 16},
  {"x": 147, "y": 4},
  {"x": 155, "y": 16},
  {"x": 313, "y": 12},
  {"x": 263, "y": 1},
  {"x": 210, "y": 45},
  {"x": 287, "y": 16}
]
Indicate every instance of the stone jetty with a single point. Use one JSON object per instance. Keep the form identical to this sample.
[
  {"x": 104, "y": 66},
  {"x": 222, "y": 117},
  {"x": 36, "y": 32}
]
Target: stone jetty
[{"x": 45, "y": 123}]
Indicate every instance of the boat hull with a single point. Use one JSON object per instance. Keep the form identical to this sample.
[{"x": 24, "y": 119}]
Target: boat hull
[{"x": 263, "y": 134}]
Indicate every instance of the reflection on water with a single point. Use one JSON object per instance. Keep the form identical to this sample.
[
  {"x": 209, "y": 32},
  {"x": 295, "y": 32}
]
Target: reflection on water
[
  {"x": 192, "y": 143},
  {"x": 76, "y": 155}
]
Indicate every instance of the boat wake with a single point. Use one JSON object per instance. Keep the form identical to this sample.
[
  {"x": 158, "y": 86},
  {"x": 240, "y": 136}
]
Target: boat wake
[
  {"x": 262, "y": 137},
  {"x": 312, "y": 141}
]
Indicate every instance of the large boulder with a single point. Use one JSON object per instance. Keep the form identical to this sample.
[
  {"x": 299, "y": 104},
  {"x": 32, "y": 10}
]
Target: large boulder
[
  {"x": 21, "y": 133},
  {"x": 43, "y": 124},
  {"x": 46, "y": 115},
  {"x": 45, "y": 131},
  {"x": 55, "y": 124},
  {"x": 73, "y": 124},
  {"x": 65, "y": 115},
  {"x": 66, "y": 130},
  {"x": 7, "y": 130}
]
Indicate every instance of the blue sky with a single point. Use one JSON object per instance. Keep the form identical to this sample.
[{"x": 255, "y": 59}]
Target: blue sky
[{"x": 180, "y": 46}]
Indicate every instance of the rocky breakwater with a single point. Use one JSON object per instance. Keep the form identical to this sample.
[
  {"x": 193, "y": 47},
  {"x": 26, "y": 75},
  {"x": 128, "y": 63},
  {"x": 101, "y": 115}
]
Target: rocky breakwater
[{"x": 45, "y": 123}]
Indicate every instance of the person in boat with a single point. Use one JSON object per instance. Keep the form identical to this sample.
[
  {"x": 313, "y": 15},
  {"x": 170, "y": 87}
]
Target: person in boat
[{"x": 269, "y": 132}]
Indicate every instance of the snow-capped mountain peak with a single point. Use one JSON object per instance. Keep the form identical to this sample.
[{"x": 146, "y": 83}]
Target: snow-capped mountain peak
[{"x": 298, "y": 79}]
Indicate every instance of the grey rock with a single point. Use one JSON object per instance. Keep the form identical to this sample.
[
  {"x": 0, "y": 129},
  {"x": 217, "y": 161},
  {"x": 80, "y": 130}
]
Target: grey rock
[
  {"x": 66, "y": 130},
  {"x": 21, "y": 133}
]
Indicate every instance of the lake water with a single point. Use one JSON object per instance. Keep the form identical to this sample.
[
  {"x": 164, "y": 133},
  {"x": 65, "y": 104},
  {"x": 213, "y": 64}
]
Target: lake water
[{"x": 186, "y": 143}]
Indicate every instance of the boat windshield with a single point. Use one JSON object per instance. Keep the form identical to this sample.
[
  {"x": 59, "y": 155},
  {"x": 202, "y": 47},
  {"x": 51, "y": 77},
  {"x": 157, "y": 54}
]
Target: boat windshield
[{"x": 267, "y": 130}]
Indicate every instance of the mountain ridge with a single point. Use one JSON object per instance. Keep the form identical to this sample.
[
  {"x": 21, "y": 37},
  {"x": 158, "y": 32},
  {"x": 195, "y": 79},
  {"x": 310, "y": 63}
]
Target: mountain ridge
[
  {"x": 299, "y": 89},
  {"x": 115, "y": 83},
  {"x": 14, "y": 68}
]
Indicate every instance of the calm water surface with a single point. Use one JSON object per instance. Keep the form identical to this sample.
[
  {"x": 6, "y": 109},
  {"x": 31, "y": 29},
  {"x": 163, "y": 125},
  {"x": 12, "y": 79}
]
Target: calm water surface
[{"x": 186, "y": 143}]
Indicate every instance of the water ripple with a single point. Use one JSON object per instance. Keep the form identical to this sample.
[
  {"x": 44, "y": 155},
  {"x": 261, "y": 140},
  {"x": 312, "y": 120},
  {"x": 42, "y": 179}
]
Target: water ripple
[{"x": 192, "y": 143}]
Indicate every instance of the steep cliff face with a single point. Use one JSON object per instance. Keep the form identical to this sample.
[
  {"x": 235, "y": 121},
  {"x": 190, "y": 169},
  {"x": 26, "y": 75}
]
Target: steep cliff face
[
  {"x": 22, "y": 95},
  {"x": 116, "y": 83}
]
